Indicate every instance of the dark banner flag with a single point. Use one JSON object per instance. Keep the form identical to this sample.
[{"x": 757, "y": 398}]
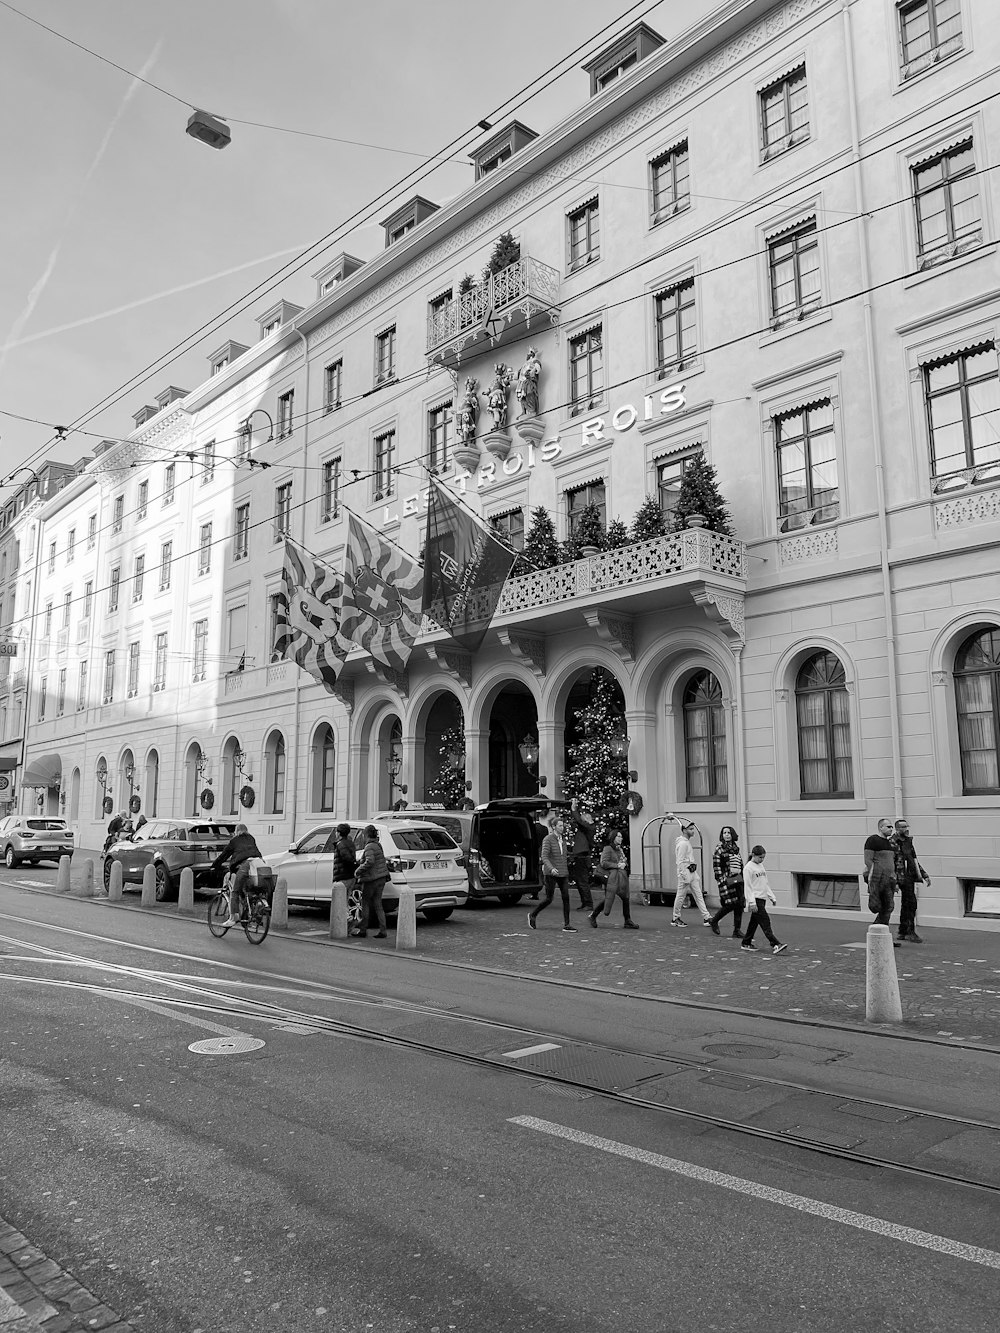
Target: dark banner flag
[{"x": 465, "y": 568}]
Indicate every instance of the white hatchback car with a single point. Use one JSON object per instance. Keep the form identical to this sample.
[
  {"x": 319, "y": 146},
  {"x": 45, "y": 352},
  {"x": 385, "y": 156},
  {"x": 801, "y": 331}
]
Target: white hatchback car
[
  {"x": 34, "y": 838},
  {"x": 419, "y": 855}
]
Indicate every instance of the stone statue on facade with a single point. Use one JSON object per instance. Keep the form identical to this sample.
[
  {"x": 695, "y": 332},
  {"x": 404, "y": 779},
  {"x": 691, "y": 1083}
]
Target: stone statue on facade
[
  {"x": 527, "y": 384},
  {"x": 496, "y": 395},
  {"x": 468, "y": 413}
]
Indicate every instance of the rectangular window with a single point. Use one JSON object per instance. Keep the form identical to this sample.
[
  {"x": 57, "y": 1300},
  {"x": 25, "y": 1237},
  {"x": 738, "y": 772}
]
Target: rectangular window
[
  {"x": 132, "y": 687},
  {"x": 52, "y": 557},
  {"x": 676, "y": 327},
  {"x": 509, "y": 528},
  {"x": 793, "y": 269},
  {"x": 586, "y": 370},
  {"x": 67, "y": 609},
  {"x": 784, "y": 113},
  {"x": 118, "y": 514},
  {"x": 160, "y": 663},
  {"x": 962, "y": 398},
  {"x": 48, "y": 620},
  {"x": 286, "y": 409},
  {"x": 236, "y": 637},
  {"x": 116, "y": 578},
  {"x": 807, "y": 466},
  {"x": 385, "y": 449},
  {"x": 138, "y": 578},
  {"x": 241, "y": 532},
  {"x": 91, "y": 532},
  {"x": 282, "y": 509},
  {"x": 169, "y": 482},
  {"x": 205, "y": 548},
  {"x": 81, "y": 691},
  {"x": 831, "y": 891},
  {"x": 329, "y": 504},
  {"x": 208, "y": 463},
  {"x": 61, "y": 696},
  {"x": 109, "y": 676},
  {"x": 439, "y": 436},
  {"x": 43, "y": 690},
  {"x": 584, "y": 235},
  {"x": 671, "y": 181},
  {"x": 200, "y": 650},
  {"x": 946, "y": 199},
  {"x": 88, "y": 598},
  {"x": 166, "y": 561},
  {"x": 70, "y": 546},
  {"x": 142, "y": 502},
  {"x": 385, "y": 356},
  {"x": 578, "y": 499},
  {"x": 333, "y": 385},
  {"x": 929, "y": 31}
]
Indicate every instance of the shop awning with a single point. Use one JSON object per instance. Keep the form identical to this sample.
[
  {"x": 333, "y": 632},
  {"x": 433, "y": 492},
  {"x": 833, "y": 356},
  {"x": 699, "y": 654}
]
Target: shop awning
[
  {"x": 8, "y": 762},
  {"x": 43, "y": 771}
]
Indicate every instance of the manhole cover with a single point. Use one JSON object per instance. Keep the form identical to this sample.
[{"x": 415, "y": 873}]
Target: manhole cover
[
  {"x": 225, "y": 1045},
  {"x": 738, "y": 1050}
]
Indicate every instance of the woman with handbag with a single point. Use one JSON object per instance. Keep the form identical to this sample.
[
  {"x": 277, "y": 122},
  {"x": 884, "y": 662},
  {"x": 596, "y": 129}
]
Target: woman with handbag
[
  {"x": 614, "y": 865},
  {"x": 727, "y": 863}
]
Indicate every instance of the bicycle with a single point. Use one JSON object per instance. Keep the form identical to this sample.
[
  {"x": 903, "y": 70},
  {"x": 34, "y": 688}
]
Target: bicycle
[{"x": 256, "y": 919}]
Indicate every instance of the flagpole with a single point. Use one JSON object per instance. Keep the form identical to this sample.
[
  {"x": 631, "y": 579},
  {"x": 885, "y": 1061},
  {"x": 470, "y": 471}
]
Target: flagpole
[{"x": 380, "y": 535}]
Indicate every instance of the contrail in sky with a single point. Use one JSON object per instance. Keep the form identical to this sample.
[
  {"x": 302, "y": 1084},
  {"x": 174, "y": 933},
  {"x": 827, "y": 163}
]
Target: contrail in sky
[{"x": 34, "y": 296}]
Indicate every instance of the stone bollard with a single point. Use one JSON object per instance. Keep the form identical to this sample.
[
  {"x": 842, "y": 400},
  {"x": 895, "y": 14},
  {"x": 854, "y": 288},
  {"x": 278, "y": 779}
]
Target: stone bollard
[
  {"x": 406, "y": 920},
  {"x": 149, "y": 886},
  {"x": 882, "y": 1003},
  {"x": 115, "y": 882},
  {"x": 338, "y": 912},
  {"x": 185, "y": 897},
  {"x": 279, "y": 905},
  {"x": 85, "y": 884},
  {"x": 62, "y": 880}
]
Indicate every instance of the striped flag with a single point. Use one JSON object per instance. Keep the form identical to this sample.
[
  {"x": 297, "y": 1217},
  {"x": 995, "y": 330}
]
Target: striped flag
[
  {"x": 383, "y": 587},
  {"x": 307, "y": 620}
]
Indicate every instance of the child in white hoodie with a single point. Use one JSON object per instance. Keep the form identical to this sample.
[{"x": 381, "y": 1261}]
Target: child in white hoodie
[{"x": 757, "y": 894}]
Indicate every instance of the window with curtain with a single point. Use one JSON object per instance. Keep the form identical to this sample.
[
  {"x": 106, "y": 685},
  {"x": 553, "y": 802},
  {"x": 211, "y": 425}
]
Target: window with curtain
[
  {"x": 705, "y": 738},
  {"x": 325, "y": 760},
  {"x": 977, "y": 698},
  {"x": 823, "y": 725}
]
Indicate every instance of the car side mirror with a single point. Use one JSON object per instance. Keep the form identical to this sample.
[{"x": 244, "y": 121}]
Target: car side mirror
[{"x": 293, "y": 847}]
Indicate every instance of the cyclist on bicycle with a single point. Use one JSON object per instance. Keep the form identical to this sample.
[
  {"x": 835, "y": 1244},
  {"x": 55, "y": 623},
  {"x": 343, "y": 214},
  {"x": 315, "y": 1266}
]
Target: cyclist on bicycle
[{"x": 238, "y": 851}]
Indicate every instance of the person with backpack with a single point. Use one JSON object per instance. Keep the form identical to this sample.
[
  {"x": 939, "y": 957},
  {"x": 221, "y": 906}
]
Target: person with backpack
[{"x": 371, "y": 873}]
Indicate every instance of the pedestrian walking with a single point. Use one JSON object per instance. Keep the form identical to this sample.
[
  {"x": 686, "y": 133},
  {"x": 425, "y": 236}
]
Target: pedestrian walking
[
  {"x": 581, "y": 826},
  {"x": 614, "y": 864},
  {"x": 555, "y": 871},
  {"x": 688, "y": 877},
  {"x": 371, "y": 873},
  {"x": 880, "y": 874},
  {"x": 757, "y": 894},
  {"x": 908, "y": 872},
  {"x": 345, "y": 859},
  {"x": 727, "y": 865}
]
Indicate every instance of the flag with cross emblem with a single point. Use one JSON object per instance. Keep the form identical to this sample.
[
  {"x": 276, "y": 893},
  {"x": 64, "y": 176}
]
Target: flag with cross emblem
[
  {"x": 307, "y": 616},
  {"x": 383, "y": 587}
]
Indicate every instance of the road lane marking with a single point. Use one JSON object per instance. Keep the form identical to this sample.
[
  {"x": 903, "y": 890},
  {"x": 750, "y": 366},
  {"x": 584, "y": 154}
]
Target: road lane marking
[
  {"x": 973, "y": 1254},
  {"x": 531, "y": 1050}
]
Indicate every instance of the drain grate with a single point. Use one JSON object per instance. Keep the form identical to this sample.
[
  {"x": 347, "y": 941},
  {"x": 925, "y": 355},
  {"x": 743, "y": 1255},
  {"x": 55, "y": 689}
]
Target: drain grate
[
  {"x": 225, "y": 1045},
  {"x": 738, "y": 1050}
]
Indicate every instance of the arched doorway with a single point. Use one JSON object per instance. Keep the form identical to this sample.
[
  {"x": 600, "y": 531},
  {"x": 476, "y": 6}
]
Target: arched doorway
[
  {"x": 74, "y": 796},
  {"x": 444, "y": 752},
  {"x": 194, "y": 768},
  {"x": 151, "y": 784},
  {"x": 595, "y": 756},
  {"x": 324, "y": 769},
  {"x": 513, "y": 737},
  {"x": 389, "y": 777}
]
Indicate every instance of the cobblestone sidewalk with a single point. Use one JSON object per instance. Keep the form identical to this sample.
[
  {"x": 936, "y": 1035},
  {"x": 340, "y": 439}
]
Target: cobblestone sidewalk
[{"x": 35, "y": 1293}]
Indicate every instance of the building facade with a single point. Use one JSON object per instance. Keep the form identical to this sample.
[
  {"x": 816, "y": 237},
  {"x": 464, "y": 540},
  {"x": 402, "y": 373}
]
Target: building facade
[{"x": 772, "y": 243}]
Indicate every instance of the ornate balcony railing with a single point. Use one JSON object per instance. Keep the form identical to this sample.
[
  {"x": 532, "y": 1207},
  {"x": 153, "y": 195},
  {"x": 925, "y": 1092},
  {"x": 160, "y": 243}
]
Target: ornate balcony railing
[{"x": 495, "y": 311}]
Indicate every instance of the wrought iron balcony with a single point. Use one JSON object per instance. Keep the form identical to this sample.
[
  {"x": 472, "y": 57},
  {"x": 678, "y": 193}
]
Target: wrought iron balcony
[{"x": 497, "y": 311}]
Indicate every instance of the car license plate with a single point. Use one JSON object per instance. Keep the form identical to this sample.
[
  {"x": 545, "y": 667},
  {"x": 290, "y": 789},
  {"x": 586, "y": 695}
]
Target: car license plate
[{"x": 430, "y": 865}]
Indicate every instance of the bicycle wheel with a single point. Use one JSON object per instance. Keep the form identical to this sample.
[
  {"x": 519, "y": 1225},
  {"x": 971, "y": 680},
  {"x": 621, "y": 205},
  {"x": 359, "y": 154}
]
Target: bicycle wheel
[
  {"x": 218, "y": 913},
  {"x": 257, "y": 921}
]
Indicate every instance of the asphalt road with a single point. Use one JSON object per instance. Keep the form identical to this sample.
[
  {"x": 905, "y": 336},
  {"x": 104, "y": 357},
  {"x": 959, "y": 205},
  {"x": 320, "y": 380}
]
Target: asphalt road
[{"x": 324, "y": 1180}]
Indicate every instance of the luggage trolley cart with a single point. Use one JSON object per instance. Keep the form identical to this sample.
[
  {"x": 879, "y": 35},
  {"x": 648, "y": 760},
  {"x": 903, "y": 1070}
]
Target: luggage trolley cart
[{"x": 658, "y": 881}]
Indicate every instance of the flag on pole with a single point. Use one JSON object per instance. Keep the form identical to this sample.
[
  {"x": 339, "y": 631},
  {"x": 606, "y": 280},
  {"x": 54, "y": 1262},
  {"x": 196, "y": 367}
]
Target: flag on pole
[
  {"x": 307, "y": 616},
  {"x": 381, "y": 605},
  {"x": 465, "y": 568}
]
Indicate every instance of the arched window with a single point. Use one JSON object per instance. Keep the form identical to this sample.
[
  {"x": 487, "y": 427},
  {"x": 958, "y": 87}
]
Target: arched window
[
  {"x": 324, "y": 768},
  {"x": 704, "y": 738},
  {"x": 977, "y": 698},
  {"x": 232, "y": 776},
  {"x": 274, "y": 776},
  {"x": 152, "y": 791},
  {"x": 822, "y": 716}
]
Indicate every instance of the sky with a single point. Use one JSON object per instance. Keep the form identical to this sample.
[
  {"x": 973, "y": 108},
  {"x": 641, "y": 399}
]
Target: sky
[{"x": 121, "y": 236}]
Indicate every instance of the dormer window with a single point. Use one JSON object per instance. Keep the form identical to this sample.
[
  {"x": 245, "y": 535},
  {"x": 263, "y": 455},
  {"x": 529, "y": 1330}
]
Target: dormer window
[
  {"x": 492, "y": 163},
  {"x": 330, "y": 277},
  {"x": 168, "y": 396},
  {"x": 501, "y": 147},
  {"x": 225, "y": 355},
  {"x": 621, "y": 57},
  {"x": 405, "y": 219},
  {"x": 220, "y": 365},
  {"x": 616, "y": 71},
  {"x": 272, "y": 327},
  {"x": 270, "y": 321}
]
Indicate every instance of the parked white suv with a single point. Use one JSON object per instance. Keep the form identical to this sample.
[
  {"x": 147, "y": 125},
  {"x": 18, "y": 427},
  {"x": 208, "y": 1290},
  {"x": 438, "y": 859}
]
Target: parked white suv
[
  {"x": 420, "y": 856},
  {"x": 34, "y": 838}
]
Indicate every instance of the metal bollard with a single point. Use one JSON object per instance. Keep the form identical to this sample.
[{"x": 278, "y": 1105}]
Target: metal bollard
[
  {"x": 338, "y": 912},
  {"x": 882, "y": 1004},
  {"x": 62, "y": 881},
  {"x": 406, "y": 920},
  {"x": 85, "y": 885},
  {"x": 185, "y": 897},
  {"x": 149, "y": 886},
  {"x": 115, "y": 882},
  {"x": 279, "y": 905}
]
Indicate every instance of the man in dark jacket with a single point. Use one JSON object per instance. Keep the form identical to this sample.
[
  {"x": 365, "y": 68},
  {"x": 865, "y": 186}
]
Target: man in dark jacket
[
  {"x": 581, "y": 827},
  {"x": 371, "y": 873},
  {"x": 238, "y": 851},
  {"x": 908, "y": 872}
]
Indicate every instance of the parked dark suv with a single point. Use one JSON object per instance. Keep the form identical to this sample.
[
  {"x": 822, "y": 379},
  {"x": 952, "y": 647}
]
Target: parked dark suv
[
  {"x": 171, "y": 845},
  {"x": 501, "y": 841}
]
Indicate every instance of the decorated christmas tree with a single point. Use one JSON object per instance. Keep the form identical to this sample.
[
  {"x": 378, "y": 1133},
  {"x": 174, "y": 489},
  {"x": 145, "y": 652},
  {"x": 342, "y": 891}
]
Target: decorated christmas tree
[
  {"x": 699, "y": 494},
  {"x": 616, "y": 536},
  {"x": 541, "y": 545},
  {"x": 595, "y": 773},
  {"x": 649, "y": 521},
  {"x": 449, "y": 785}
]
